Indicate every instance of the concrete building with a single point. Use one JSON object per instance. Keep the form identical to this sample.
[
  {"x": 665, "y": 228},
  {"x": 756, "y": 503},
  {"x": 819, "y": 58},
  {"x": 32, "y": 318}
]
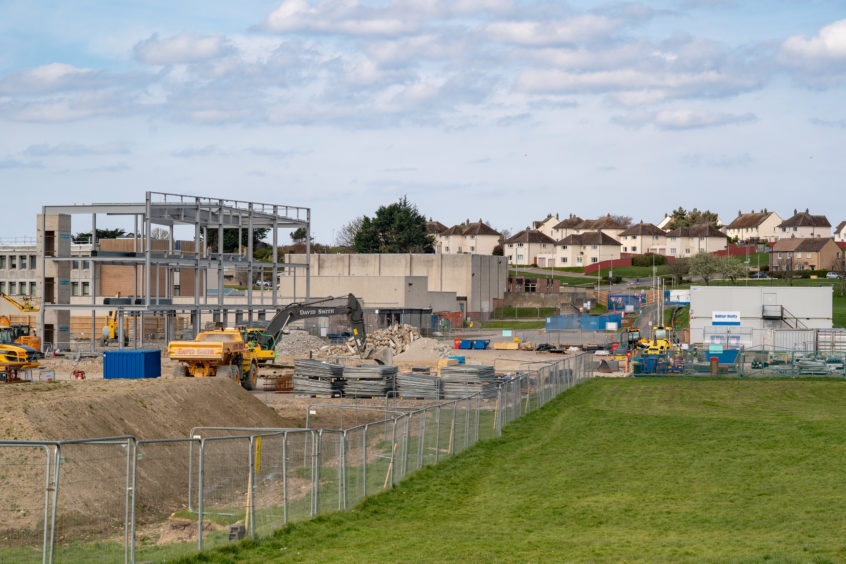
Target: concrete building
[
  {"x": 760, "y": 226},
  {"x": 643, "y": 238},
  {"x": 804, "y": 225},
  {"x": 529, "y": 247},
  {"x": 586, "y": 248},
  {"x": 695, "y": 239},
  {"x": 747, "y": 316},
  {"x": 442, "y": 282},
  {"x": 805, "y": 254}
]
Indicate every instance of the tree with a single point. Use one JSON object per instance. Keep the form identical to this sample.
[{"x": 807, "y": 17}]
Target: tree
[
  {"x": 397, "y": 228},
  {"x": 346, "y": 235},
  {"x": 160, "y": 233},
  {"x": 497, "y": 251},
  {"x": 678, "y": 269},
  {"x": 230, "y": 238},
  {"x": 299, "y": 235},
  {"x": 839, "y": 267},
  {"x": 731, "y": 268},
  {"x": 101, "y": 234},
  {"x": 683, "y": 218},
  {"x": 624, "y": 220},
  {"x": 705, "y": 266}
]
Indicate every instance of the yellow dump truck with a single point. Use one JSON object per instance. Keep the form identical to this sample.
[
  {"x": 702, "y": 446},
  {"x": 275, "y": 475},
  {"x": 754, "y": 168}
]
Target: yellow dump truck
[
  {"x": 221, "y": 352},
  {"x": 12, "y": 360}
]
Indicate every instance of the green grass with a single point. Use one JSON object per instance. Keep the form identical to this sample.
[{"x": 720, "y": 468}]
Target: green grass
[
  {"x": 633, "y": 271},
  {"x": 515, "y": 325},
  {"x": 647, "y": 470},
  {"x": 518, "y": 312},
  {"x": 569, "y": 280}
]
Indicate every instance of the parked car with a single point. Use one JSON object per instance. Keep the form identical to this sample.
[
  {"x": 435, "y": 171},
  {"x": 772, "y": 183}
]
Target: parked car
[
  {"x": 832, "y": 275},
  {"x": 758, "y": 275}
]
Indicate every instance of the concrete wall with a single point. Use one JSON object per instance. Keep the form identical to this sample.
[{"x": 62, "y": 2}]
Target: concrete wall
[
  {"x": 476, "y": 279},
  {"x": 379, "y": 291},
  {"x": 811, "y": 305}
]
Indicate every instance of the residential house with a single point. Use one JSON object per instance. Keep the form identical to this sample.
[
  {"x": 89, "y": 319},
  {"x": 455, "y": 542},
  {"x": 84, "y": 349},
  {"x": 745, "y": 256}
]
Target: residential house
[
  {"x": 665, "y": 222},
  {"x": 436, "y": 229},
  {"x": 607, "y": 225},
  {"x": 805, "y": 254},
  {"x": 643, "y": 238},
  {"x": 566, "y": 227},
  {"x": 755, "y": 226},
  {"x": 586, "y": 248},
  {"x": 695, "y": 239},
  {"x": 545, "y": 225},
  {"x": 840, "y": 232},
  {"x": 529, "y": 247},
  {"x": 475, "y": 238},
  {"x": 804, "y": 225}
]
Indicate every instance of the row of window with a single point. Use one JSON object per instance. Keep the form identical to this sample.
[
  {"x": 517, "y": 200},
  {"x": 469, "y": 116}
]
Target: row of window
[
  {"x": 472, "y": 249},
  {"x": 18, "y": 288},
  {"x": 17, "y": 262},
  {"x": 84, "y": 287}
]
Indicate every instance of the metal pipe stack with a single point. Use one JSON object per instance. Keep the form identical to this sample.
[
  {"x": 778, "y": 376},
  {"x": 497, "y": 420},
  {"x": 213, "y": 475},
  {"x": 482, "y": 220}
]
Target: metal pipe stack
[
  {"x": 462, "y": 380},
  {"x": 313, "y": 377},
  {"x": 369, "y": 381},
  {"x": 419, "y": 385}
]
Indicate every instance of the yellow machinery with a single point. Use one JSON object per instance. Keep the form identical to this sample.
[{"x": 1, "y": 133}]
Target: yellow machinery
[
  {"x": 13, "y": 359},
  {"x": 255, "y": 339},
  {"x": 221, "y": 352},
  {"x": 23, "y": 334},
  {"x": 662, "y": 340},
  {"x": 111, "y": 329}
]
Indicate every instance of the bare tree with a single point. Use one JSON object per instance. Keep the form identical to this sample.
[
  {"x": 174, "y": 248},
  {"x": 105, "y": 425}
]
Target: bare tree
[
  {"x": 678, "y": 269},
  {"x": 346, "y": 235},
  {"x": 624, "y": 220},
  {"x": 160, "y": 233}
]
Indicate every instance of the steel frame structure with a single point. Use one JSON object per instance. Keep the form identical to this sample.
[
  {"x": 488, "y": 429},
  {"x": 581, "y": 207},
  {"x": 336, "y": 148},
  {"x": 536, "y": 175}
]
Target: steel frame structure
[{"x": 169, "y": 210}]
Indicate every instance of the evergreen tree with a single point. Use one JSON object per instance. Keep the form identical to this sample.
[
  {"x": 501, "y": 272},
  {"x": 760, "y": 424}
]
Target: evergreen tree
[{"x": 396, "y": 228}]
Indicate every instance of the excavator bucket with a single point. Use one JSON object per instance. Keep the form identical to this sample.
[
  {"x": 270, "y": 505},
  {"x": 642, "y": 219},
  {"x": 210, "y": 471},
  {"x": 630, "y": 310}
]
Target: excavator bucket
[{"x": 384, "y": 356}]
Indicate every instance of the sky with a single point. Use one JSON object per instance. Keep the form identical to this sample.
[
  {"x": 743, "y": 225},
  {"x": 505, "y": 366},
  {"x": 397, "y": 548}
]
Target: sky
[{"x": 501, "y": 110}]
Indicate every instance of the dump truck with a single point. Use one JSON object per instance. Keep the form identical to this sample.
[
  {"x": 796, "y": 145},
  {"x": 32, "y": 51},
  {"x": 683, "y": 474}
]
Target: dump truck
[
  {"x": 221, "y": 352},
  {"x": 13, "y": 359}
]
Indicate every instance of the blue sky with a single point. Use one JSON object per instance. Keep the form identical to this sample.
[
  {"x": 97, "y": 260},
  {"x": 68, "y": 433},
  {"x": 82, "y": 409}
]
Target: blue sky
[{"x": 495, "y": 109}]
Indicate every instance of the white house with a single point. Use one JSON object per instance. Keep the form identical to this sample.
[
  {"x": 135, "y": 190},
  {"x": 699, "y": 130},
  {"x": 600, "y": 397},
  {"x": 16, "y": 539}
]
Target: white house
[
  {"x": 695, "y": 239},
  {"x": 804, "y": 225},
  {"x": 586, "y": 248},
  {"x": 755, "y": 226},
  {"x": 527, "y": 246},
  {"x": 643, "y": 238}
]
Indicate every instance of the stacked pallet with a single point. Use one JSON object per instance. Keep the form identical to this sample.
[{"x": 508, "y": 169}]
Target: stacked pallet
[
  {"x": 369, "y": 381},
  {"x": 419, "y": 385},
  {"x": 462, "y": 380},
  {"x": 316, "y": 378}
]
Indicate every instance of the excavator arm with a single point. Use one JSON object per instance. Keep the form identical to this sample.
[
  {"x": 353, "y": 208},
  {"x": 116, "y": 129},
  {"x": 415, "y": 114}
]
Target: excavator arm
[{"x": 307, "y": 310}]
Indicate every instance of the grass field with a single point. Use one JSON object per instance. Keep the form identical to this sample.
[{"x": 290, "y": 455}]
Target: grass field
[{"x": 649, "y": 470}]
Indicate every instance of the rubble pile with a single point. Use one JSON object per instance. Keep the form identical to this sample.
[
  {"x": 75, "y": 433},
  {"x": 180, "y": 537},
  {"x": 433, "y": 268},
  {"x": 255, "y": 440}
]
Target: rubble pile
[
  {"x": 397, "y": 338},
  {"x": 298, "y": 343}
]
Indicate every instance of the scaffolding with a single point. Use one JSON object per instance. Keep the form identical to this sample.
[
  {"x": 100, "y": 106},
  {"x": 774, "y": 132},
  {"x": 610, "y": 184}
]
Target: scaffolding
[{"x": 159, "y": 268}]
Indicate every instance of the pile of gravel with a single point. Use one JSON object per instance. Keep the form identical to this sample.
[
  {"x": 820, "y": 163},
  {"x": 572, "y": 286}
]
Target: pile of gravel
[{"x": 298, "y": 343}]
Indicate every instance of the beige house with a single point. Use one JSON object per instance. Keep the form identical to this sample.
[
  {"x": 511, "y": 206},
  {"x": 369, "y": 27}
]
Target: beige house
[
  {"x": 436, "y": 229},
  {"x": 804, "y": 225},
  {"x": 586, "y": 248},
  {"x": 840, "y": 232},
  {"x": 606, "y": 225},
  {"x": 755, "y": 226},
  {"x": 566, "y": 227},
  {"x": 643, "y": 238},
  {"x": 474, "y": 238},
  {"x": 805, "y": 254},
  {"x": 695, "y": 239},
  {"x": 546, "y": 225},
  {"x": 529, "y": 247}
]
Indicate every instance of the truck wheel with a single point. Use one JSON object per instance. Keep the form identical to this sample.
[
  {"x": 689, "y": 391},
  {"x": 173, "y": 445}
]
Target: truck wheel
[
  {"x": 250, "y": 379},
  {"x": 232, "y": 372},
  {"x": 180, "y": 371}
]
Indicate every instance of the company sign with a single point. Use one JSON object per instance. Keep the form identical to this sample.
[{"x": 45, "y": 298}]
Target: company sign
[{"x": 725, "y": 318}]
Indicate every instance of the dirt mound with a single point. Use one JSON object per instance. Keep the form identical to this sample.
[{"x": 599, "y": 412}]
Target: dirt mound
[{"x": 424, "y": 349}]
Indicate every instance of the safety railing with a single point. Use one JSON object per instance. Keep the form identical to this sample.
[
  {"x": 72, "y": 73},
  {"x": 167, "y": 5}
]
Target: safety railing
[{"x": 118, "y": 499}]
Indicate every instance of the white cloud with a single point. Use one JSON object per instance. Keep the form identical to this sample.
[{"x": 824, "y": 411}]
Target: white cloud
[
  {"x": 178, "y": 49},
  {"x": 676, "y": 120},
  {"x": 584, "y": 28},
  {"x": 78, "y": 150},
  {"x": 49, "y": 78},
  {"x": 829, "y": 44},
  {"x": 344, "y": 17}
]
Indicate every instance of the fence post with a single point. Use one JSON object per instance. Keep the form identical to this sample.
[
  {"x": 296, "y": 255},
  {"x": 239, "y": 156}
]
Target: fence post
[
  {"x": 285, "y": 478},
  {"x": 393, "y": 449},
  {"x": 437, "y": 434},
  {"x": 467, "y": 424},
  {"x": 57, "y": 465},
  {"x": 342, "y": 502},
  {"x": 45, "y": 535},
  {"x": 127, "y": 500},
  {"x": 134, "y": 497},
  {"x": 364, "y": 459},
  {"x": 315, "y": 457},
  {"x": 251, "y": 488},
  {"x": 421, "y": 442},
  {"x": 200, "y": 496},
  {"x": 407, "y": 441},
  {"x": 452, "y": 430}
]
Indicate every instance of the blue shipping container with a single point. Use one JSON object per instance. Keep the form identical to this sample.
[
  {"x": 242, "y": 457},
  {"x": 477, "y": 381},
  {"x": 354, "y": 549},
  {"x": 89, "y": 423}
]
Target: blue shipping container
[
  {"x": 481, "y": 344},
  {"x": 132, "y": 364}
]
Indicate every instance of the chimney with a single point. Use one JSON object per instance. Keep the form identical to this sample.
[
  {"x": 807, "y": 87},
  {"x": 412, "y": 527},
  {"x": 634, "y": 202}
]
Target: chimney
[
  {"x": 739, "y": 213},
  {"x": 795, "y": 211},
  {"x": 806, "y": 210},
  {"x": 556, "y": 215}
]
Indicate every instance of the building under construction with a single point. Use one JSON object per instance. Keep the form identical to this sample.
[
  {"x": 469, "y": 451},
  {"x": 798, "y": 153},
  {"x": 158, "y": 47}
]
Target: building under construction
[{"x": 150, "y": 287}]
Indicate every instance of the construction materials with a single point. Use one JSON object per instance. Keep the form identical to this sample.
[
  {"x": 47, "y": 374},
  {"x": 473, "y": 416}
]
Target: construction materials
[
  {"x": 369, "y": 381},
  {"x": 418, "y": 385},
  {"x": 506, "y": 346},
  {"x": 397, "y": 339},
  {"x": 463, "y": 380},
  {"x": 221, "y": 352},
  {"x": 317, "y": 378}
]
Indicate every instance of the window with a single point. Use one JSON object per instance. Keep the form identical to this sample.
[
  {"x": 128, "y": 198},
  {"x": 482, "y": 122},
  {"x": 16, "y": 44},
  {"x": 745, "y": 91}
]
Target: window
[
  {"x": 32, "y": 262},
  {"x": 23, "y": 261},
  {"x": 86, "y": 289},
  {"x": 32, "y": 288},
  {"x": 702, "y": 238},
  {"x": 519, "y": 244},
  {"x": 13, "y": 261},
  {"x": 673, "y": 239},
  {"x": 3, "y": 287},
  {"x": 13, "y": 288},
  {"x": 564, "y": 260},
  {"x": 472, "y": 249},
  {"x": 23, "y": 288},
  {"x": 3, "y": 261},
  {"x": 593, "y": 247},
  {"x": 578, "y": 260},
  {"x": 563, "y": 247},
  {"x": 592, "y": 259},
  {"x": 687, "y": 251},
  {"x": 520, "y": 259},
  {"x": 779, "y": 255},
  {"x": 795, "y": 229},
  {"x": 510, "y": 245},
  {"x": 74, "y": 288},
  {"x": 446, "y": 250},
  {"x": 799, "y": 254},
  {"x": 543, "y": 245},
  {"x": 672, "y": 250},
  {"x": 75, "y": 265},
  {"x": 634, "y": 249}
]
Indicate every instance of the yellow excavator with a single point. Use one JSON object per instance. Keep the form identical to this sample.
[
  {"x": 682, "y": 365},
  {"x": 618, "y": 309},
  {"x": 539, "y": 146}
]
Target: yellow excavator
[
  {"x": 23, "y": 333},
  {"x": 662, "y": 340}
]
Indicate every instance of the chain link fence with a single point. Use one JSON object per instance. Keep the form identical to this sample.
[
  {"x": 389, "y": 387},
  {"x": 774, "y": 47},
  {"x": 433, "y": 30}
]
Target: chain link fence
[{"x": 118, "y": 499}]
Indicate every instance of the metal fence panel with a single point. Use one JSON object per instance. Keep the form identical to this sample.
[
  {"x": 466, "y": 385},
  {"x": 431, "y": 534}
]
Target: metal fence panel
[
  {"x": 25, "y": 480},
  {"x": 268, "y": 491},
  {"x": 223, "y": 499}
]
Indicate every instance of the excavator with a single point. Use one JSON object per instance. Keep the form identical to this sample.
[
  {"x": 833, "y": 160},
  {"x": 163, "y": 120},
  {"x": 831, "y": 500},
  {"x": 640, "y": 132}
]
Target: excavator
[
  {"x": 22, "y": 333},
  {"x": 236, "y": 353},
  {"x": 662, "y": 340}
]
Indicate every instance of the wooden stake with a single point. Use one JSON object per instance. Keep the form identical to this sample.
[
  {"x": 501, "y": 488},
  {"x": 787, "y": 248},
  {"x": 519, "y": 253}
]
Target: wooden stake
[{"x": 390, "y": 466}]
